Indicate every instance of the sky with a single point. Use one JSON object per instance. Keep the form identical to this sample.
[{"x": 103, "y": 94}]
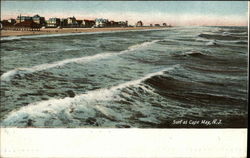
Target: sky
[{"x": 187, "y": 13}]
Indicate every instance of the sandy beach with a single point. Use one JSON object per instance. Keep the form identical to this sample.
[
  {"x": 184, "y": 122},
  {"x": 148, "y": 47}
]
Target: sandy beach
[{"x": 5, "y": 33}]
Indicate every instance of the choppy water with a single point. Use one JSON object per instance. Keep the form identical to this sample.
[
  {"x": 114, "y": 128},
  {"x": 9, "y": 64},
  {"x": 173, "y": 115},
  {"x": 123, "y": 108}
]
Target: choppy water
[{"x": 142, "y": 79}]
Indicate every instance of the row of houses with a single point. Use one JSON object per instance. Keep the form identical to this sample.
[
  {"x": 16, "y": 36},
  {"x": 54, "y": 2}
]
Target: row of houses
[
  {"x": 71, "y": 22},
  {"x": 68, "y": 22},
  {"x": 36, "y": 22},
  {"x": 23, "y": 23}
]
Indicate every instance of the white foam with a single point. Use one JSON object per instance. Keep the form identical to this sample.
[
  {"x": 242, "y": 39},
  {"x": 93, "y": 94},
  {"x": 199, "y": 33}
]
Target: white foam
[
  {"x": 225, "y": 33},
  {"x": 234, "y": 33},
  {"x": 202, "y": 39},
  {"x": 145, "y": 44},
  {"x": 87, "y": 103},
  {"x": 7, "y": 76},
  {"x": 192, "y": 52},
  {"x": 137, "y": 82},
  {"x": 211, "y": 43}
]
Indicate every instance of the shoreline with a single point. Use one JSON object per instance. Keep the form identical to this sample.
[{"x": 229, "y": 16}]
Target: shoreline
[{"x": 48, "y": 31}]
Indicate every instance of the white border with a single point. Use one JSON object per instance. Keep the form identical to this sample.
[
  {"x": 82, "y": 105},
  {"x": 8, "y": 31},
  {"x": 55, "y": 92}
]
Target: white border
[
  {"x": 32, "y": 143},
  {"x": 155, "y": 143}
]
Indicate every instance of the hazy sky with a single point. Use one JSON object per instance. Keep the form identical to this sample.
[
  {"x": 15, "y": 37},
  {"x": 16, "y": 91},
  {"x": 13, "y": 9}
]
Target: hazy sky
[{"x": 173, "y": 12}]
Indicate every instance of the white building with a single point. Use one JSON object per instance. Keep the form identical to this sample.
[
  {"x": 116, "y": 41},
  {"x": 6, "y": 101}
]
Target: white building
[{"x": 101, "y": 22}]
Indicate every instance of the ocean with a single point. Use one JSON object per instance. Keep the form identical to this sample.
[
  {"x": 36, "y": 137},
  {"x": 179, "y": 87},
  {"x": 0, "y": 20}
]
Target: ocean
[{"x": 168, "y": 78}]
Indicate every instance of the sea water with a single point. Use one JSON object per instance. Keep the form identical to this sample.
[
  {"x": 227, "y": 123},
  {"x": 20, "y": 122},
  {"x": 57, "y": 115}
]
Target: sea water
[{"x": 142, "y": 79}]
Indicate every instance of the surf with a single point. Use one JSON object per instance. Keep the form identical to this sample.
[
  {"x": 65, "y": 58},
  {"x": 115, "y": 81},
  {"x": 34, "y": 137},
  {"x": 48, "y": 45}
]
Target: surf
[
  {"x": 7, "y": 76},
  {"x": 88, "y": 103}
]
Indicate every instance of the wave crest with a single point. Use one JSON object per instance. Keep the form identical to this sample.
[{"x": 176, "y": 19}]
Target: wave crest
[
  {"x": 218, "y": 37},
  {"x": 87, "y": 104},
  {"x": 7, "y": 76}
]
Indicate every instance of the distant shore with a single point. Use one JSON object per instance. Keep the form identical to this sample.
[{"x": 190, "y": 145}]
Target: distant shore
[{"x": 6, "y": 33}]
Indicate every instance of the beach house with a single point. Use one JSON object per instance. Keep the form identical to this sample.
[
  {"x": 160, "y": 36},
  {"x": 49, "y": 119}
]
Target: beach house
[
  {"x": 39, "y": 20},
  {"x": 27, "y": 26},
  {"x": 100, "y": 22},
  {"x": 12, "y": 21},
  {"x": 63, "y": 22},
  {"x": 21, "y": 18},
  {"x": 122, "y": 23},
  {"x": 72, "y": 22},
  {"x": 80, "y": 23},
  {"x": 53, "y": 22},
  {"x": 113, "y": 23},
  {"x": 6, "y": 25},
  {"x": 88, "y": 23}
]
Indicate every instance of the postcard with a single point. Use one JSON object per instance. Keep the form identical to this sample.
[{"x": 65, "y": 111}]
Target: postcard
[{"x": 145, "y": 69}]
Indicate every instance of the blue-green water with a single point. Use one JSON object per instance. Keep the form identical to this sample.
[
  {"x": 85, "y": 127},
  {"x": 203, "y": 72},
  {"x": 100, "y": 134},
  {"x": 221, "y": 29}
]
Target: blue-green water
[{"x": 142, "y": 79}]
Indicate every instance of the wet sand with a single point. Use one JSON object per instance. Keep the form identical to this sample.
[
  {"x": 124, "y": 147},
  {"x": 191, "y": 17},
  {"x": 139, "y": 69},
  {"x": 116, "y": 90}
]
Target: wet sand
[{"x": 5, "y": 33}]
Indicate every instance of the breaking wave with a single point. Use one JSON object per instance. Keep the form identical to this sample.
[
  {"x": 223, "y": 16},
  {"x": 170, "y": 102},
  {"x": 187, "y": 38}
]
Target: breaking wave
[
  {"x": 64, "y": 111},
  {"x": 211, "y": 43},
  {"x": 218, "y": 37},
  {"x": 191, "y": 53},
  {"x": 7, "y": 76},
  {"x": 120, "y": 80}
]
